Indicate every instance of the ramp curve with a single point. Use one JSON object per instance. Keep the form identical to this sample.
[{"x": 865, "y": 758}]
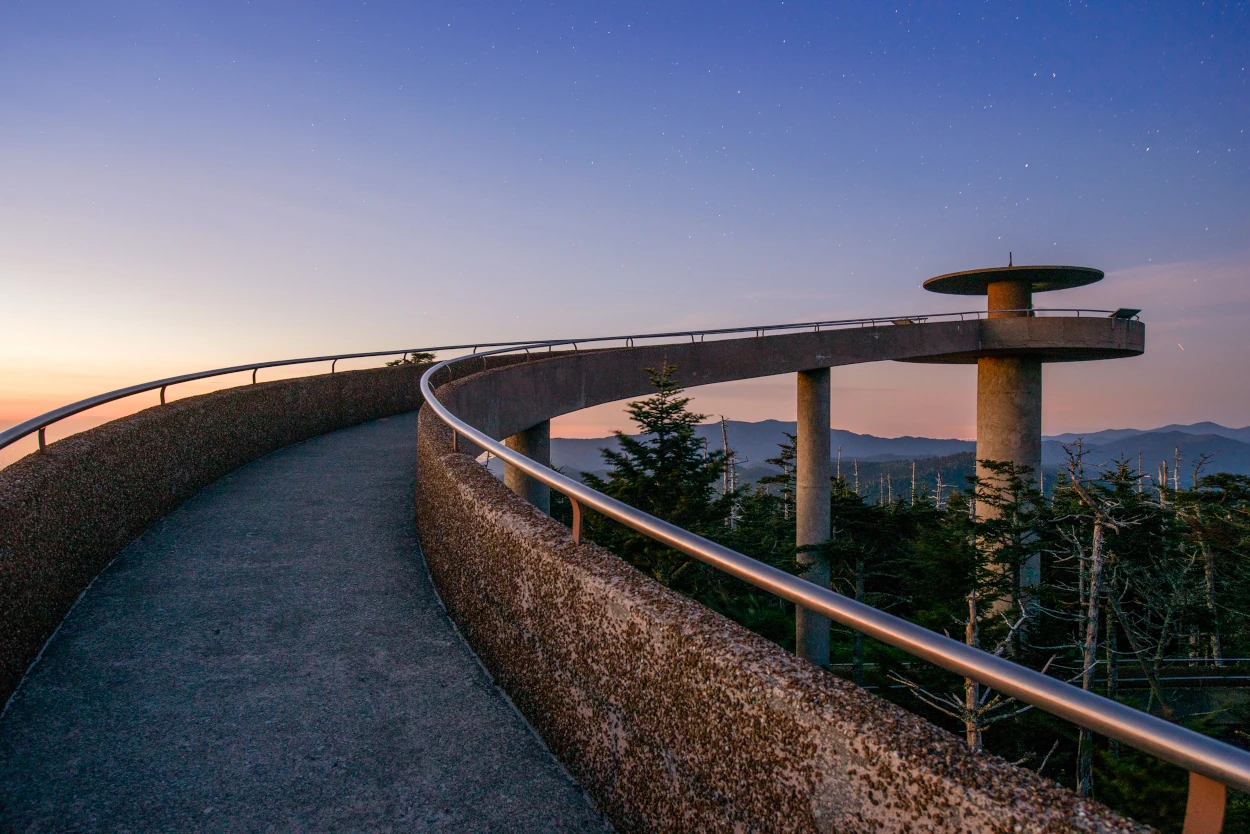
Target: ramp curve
[{"x": 673, "y": 717}]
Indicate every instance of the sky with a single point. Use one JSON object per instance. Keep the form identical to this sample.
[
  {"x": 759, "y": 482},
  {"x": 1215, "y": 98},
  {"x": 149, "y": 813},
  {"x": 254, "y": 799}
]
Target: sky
[{"x": 194, "y": 185}]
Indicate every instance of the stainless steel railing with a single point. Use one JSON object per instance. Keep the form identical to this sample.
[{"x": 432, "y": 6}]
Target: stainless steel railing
[
  {"x": 40, "y": 423},
  {"x": 1205, "y": 758},
  {"x": 1208, "y": 760}
]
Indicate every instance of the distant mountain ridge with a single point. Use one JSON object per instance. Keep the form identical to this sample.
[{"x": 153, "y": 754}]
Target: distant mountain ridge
[
  {"x": 1153, "y": 447},
  {"x": 1114, "y": 435},
  {"x": 754, "y": 443}
]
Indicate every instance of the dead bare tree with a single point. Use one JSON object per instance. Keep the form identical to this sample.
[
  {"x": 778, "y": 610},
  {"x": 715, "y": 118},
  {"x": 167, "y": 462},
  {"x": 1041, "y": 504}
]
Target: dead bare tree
[
  {"x": 1136, "y": 641},
  {"x": 1103, "y": 520},
  {"x": 1191, "y": 512},
  {"x": 1111, "y": 658},
  {"x": 999, "y": 543},
  {"x": 978, "y": 706},
  {"x": 730, "y": 474}
]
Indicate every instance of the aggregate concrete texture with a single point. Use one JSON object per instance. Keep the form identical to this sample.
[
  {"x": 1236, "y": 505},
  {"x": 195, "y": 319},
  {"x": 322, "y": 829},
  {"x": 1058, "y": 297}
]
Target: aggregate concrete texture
[
  {"x": 272, "y": 656},
  {"x": 673, "y": 717}
]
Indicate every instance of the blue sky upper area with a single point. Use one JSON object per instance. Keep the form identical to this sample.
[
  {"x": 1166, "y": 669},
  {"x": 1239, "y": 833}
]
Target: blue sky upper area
[{"x": 188, "y": 185}]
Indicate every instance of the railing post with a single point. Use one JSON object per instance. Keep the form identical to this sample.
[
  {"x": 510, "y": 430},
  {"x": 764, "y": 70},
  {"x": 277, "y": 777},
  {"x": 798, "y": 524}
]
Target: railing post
[
  {"x": 43, "y": 442},
  {"x": 162, "y": 395},
  {"x": 577, "y": 520},
  {"x": 1204, "y": 812}
]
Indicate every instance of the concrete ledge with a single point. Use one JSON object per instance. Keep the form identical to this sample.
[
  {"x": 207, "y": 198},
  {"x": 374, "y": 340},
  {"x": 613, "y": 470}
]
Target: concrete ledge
[
  {"x": 675, "y": 718},
  {"x": 66, "y": 512},
  {"x": 548, "y": 385}
]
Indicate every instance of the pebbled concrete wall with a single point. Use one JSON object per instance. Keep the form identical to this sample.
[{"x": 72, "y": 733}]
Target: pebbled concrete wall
[
  {"x": 675, "y": 718},
  {"x": 67, "y": 511}
]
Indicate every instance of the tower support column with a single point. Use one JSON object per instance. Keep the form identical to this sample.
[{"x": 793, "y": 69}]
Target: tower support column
[
  {"x": 1009, "y": 425},
  {"x": 1009, "y": 388},
  {"x": 812, "y": 494},
  {"x": 535, "y": 444}
]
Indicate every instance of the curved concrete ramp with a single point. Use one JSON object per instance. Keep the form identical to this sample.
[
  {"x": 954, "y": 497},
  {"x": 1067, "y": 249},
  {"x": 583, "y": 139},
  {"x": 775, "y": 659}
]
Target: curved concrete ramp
[{"x": 271, "y": 656}]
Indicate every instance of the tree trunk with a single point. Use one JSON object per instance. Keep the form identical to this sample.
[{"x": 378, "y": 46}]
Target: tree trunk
[
  {"x": 1217, "y": 648},
  {"x": 1165, "y": 635},
  {"x": 1140, "y": 653},
  {"x": 1089, "y": 657},
  {"x": 1113, "y": 674},
  {"x": 972, "y": 690}
]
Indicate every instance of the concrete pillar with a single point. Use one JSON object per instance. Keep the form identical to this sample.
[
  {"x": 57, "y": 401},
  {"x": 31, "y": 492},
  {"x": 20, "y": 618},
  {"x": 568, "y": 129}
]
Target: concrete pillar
[
  {"x": 535, "y": 444},
  {"x": 812, "y": 492},
  {"x": 1009, "y": 424},
  {"x": 1015, "y": 296}
]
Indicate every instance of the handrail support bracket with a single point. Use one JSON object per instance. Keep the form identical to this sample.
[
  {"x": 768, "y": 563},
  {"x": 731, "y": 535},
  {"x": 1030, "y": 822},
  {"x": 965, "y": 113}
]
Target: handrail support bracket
[{"x": 1204, "y": 811}]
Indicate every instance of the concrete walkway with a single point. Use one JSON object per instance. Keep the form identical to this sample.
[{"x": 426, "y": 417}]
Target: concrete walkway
[{"x": 271, "y": 656}]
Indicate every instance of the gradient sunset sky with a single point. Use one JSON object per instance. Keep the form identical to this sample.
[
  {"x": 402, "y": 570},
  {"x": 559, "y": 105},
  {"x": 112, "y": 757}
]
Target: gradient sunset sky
[{"x": 193, "y": 185}]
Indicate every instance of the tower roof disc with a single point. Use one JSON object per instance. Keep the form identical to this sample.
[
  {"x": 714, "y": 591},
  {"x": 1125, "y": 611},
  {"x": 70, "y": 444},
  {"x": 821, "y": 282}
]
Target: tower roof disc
[{"x": 1039, "y": 278}]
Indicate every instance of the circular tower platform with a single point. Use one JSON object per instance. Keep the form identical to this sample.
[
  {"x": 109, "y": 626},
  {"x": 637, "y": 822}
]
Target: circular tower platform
[
  {"x": 1038, "y": 279},
  {"x": 1009, "y": 380},
  {"x": 1010, "y": 288}
]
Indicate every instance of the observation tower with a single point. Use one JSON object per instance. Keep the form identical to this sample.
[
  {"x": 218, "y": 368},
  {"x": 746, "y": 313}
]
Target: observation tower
[{"x": 1009, "y": 383}]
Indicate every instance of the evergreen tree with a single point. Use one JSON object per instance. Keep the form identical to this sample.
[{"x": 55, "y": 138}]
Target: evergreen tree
[
  {"x": 765, "y": 530},
  {"x": 1215, "y": 515},
  {"x": 867, "y": 553},
  {"x": 669, "y": 474},
  {"x": 418, "y": 358}
]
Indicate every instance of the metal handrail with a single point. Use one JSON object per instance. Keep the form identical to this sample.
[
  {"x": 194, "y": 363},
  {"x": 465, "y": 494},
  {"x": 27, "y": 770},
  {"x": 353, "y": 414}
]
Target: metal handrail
[
  {"x": 1193, "y": 751},
  {"x": 40, "y": 423},
  {"x": 1204, "y": 757}
]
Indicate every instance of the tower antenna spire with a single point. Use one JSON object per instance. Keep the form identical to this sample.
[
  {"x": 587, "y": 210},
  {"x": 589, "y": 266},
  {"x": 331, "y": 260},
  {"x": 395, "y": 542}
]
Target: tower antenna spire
[{"x": 1009, "y": 263}]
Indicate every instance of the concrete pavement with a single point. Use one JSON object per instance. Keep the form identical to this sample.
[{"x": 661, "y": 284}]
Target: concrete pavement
[{"x": 271, "y": 656}]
